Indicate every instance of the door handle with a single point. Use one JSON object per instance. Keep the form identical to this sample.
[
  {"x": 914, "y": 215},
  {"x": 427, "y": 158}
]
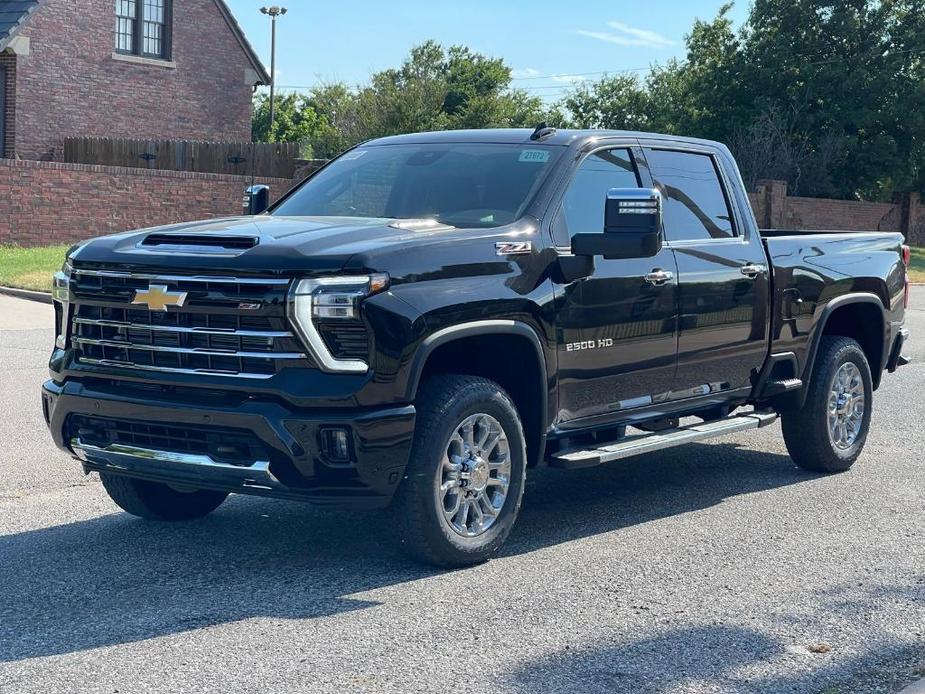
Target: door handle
[
  {"x": 658, "y": 277},
  {"x": 752, "y": 270}
]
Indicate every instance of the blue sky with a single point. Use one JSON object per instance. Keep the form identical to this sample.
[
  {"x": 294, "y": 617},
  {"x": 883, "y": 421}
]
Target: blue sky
[{"x": 347, "y": 41}]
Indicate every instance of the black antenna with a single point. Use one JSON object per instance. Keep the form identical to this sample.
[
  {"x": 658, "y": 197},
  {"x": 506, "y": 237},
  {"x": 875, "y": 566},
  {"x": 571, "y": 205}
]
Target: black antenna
[{"x": 542, "y": 130}]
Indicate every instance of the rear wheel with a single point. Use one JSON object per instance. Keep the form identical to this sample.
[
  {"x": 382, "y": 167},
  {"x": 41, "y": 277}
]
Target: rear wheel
[
  {"x": 156, "y": 501},
  {"x": 463, "y": 485},
  {"x": 828, "y": 433}
]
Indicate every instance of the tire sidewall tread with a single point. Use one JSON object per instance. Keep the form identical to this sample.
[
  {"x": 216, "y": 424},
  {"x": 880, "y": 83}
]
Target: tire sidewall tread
[
  {"x": 447, "y": 399},
  {"x": 806, "y": 431}
]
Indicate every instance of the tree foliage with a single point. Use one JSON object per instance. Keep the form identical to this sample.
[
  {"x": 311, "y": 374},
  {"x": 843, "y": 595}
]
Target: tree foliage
[
  {"x": 434, "y": 89},
  {"x": 826, "y": 94}
]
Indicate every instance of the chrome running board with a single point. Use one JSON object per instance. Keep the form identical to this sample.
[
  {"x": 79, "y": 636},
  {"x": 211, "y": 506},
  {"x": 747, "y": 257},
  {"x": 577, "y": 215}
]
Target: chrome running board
[{"x": 657, "y": 441}]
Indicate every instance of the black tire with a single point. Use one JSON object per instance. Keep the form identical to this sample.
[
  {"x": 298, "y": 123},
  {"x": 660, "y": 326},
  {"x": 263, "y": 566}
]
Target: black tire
[
  {"x": 445, "y": 402},
  {"x": 806, "y": 430},
  {"x": 156, "y": 501}
]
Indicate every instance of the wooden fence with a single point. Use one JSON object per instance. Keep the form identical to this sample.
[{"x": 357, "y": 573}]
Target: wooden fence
[{"x": 264, "y": 160}]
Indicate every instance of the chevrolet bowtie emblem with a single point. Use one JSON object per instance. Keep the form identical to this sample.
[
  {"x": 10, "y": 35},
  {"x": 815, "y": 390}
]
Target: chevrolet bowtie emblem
[{"x": 157, "y": 297}]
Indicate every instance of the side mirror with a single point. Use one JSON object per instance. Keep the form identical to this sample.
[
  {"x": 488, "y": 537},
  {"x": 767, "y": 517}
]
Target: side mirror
[
  {"x": 256, "y": 199},
  {"x": 632, "y": 226}
]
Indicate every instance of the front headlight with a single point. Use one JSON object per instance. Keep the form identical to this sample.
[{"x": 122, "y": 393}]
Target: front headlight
[
  {"x": 332, "y": 299},
  {"x": 61, "y": 296}
]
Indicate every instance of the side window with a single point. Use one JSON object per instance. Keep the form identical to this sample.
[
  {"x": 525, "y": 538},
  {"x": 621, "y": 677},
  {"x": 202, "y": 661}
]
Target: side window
[
  {"x": 695, "y": 203},
  {"x": 583, "y": 204}
]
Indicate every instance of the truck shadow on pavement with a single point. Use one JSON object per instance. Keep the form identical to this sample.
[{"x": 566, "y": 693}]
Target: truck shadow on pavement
[{"x": 116, "y": 579}]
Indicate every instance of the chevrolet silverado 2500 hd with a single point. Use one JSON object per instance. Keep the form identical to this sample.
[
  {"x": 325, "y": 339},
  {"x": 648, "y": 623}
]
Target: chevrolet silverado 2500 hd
[{"x": 429, "y": 316}]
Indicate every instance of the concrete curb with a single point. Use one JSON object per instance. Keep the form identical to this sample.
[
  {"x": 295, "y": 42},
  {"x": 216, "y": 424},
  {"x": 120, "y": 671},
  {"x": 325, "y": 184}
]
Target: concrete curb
[
  {"x": 42, "y": 297},
  {"x": 914, "y": 688}
]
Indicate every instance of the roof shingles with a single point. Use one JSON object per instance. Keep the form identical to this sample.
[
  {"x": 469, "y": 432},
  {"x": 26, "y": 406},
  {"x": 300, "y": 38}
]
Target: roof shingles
[{"x": 12, "y": 14}]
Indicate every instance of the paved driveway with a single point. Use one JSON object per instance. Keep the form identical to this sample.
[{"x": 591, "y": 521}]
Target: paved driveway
[{"x": 707, "y": 568}]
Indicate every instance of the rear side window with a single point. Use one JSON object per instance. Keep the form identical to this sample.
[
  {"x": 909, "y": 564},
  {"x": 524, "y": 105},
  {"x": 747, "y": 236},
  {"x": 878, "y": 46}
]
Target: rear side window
[
  {"x": 583, "y": 205},
  {"x": 695, "y": 202}
]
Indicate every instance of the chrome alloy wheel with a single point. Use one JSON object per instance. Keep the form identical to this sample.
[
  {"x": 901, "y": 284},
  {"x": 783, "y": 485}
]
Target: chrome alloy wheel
[
  {"x": 846, "y": 406},
  {"x": 473, "y": 481}
]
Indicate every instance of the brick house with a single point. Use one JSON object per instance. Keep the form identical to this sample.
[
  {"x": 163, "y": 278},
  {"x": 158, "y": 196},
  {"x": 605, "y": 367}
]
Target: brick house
[{"x": 179, "y": 69}]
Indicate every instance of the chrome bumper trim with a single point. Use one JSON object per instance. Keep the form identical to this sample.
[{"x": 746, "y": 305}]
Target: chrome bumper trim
[{"x": 176, "y": 468}]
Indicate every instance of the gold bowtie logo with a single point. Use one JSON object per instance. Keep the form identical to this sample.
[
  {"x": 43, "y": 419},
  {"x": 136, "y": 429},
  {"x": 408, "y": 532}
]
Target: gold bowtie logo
[{"x": 157, "y": 297}]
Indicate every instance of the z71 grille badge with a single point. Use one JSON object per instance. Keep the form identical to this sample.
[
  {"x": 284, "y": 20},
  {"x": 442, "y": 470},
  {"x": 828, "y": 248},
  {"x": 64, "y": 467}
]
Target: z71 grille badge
[{"x": 513, "y": 247}]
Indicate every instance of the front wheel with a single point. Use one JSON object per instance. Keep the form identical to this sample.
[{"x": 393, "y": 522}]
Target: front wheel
[
  {"x": 828, "y": 433},
  {"x": 157, "y": 501},
  {"x": 465, "y": 479}
]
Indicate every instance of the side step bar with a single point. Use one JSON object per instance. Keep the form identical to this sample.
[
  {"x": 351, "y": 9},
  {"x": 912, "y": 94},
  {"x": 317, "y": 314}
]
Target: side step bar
[{"x": 647, "y": 443}]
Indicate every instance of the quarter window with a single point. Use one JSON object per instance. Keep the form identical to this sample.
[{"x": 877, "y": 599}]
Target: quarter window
[
  {"x": 141, "y": 28},
  {"x": 695, "y": 203},
  {"x": 583, "y": 204}
]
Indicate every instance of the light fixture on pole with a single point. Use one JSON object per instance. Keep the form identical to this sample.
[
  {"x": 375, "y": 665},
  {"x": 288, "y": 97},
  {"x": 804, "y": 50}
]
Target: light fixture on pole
[{"x": 273, "y": 11}]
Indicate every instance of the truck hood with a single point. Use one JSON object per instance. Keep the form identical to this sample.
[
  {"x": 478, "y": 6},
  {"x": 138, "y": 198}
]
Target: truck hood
[{"x": 259, "y": 245}]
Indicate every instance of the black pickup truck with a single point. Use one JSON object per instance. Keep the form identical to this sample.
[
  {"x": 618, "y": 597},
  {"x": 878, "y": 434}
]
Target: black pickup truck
[{"x": 429, "y": 316}]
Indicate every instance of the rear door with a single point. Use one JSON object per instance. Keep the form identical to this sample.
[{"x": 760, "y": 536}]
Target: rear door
[
  {"x": 617, "y": 330},
  {"x": 722, "y": 273}
]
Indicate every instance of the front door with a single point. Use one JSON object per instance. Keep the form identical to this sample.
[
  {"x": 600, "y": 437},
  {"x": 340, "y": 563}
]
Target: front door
[
  {"x": 723, "y": 295},
  {"x": 617, "y": 331}
]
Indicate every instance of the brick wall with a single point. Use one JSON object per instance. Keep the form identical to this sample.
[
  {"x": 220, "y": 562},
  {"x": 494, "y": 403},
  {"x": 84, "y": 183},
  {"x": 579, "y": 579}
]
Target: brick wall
[
  {"x": 45, "y": 203},
  {"x": 50, "y": 202},
  {"x": 774, "y": 209},
  {"x": 70, "y": 83}
]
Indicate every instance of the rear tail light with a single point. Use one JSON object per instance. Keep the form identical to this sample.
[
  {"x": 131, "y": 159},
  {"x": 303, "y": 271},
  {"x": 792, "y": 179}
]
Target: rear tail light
[{"x": 907, "y": 258}]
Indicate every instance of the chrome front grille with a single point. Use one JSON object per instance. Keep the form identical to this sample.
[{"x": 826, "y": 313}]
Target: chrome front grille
[{"x": 225, "y": 327}]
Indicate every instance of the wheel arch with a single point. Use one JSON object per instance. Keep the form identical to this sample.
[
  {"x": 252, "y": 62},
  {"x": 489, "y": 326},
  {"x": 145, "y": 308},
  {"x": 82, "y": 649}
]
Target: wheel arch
[
  {"x": 508, "y": 352},
  {"x": 860, "y": 316}
]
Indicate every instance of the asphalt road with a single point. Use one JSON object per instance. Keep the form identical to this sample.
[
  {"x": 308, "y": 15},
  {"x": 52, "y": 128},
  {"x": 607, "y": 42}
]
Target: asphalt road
[{"x": 707, "y": 568}]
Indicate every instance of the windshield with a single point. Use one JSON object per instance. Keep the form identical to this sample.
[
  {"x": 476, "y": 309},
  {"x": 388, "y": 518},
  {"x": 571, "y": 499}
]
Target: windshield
[{"x": 463, "y": 185}]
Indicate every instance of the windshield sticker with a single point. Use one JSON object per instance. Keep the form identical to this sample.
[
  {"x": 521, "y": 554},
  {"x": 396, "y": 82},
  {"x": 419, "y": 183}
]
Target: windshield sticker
[
  {"x": 540, "y": 156},
  {"x": 355, "y": 154}
]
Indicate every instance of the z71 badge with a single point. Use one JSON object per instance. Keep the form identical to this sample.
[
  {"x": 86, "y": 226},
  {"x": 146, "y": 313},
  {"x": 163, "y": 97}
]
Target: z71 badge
[{"x": 589, "y": 344}]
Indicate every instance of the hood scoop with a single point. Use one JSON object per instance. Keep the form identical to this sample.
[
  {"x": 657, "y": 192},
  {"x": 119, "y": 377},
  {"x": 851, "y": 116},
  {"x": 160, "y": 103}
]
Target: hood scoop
[{"x": 200, "y": 243}]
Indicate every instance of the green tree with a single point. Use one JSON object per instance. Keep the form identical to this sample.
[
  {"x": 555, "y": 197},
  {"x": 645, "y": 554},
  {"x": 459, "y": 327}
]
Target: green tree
[
  {"x": 295, "y": 120},
  {"x": 827, "y": 94},
  {"x": 433, "y": 89}
]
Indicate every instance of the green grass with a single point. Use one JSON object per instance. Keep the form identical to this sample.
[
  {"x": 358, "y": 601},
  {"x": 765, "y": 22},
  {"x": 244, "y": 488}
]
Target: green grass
[
  {"x": 30, "y": 268},
  {"x": 917, "y": 265}
]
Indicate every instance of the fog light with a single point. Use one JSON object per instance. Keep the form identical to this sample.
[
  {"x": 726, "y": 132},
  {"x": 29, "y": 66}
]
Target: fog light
[{"x": 335, "y": 445}]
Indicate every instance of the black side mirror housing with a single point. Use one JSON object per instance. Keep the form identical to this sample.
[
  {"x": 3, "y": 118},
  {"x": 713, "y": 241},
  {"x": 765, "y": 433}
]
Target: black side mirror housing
[
  {"x": 632, "y": 226},
  {"x": 256, "y": 199},
  {"x": 569, "y": 268}
]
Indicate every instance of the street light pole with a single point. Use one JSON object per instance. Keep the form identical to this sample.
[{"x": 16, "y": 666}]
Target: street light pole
[{"x": 273, "y": 12}]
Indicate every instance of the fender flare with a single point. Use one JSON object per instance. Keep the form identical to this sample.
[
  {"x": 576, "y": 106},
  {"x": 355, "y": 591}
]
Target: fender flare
[
  {"x": 478, "y": 328},
  {"x": 819, "y": 328}
]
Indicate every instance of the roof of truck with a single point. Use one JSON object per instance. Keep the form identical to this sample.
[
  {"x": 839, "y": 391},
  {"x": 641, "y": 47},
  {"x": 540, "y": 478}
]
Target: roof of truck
[{"x": 561, "y": 137}]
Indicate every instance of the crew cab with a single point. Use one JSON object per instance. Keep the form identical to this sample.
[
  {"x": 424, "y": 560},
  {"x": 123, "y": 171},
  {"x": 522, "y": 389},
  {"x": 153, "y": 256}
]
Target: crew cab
[{"x": 430, "y": 316}]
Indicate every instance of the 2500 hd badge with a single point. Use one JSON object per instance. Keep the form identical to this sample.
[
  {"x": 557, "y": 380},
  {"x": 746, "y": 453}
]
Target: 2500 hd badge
[{"x": 589, "y": 344}]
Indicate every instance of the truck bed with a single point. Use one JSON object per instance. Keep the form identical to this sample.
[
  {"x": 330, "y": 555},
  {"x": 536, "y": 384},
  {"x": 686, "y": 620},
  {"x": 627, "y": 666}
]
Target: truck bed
[{"x": 811, "y": 268}]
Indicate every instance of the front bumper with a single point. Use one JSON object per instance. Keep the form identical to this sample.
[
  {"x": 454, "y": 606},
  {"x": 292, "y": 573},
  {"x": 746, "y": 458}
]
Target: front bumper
[{"x": 292, "y": 463}]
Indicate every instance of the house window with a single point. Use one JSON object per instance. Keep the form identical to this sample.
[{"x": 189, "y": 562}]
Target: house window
[{"x": 141, "y": 28}]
